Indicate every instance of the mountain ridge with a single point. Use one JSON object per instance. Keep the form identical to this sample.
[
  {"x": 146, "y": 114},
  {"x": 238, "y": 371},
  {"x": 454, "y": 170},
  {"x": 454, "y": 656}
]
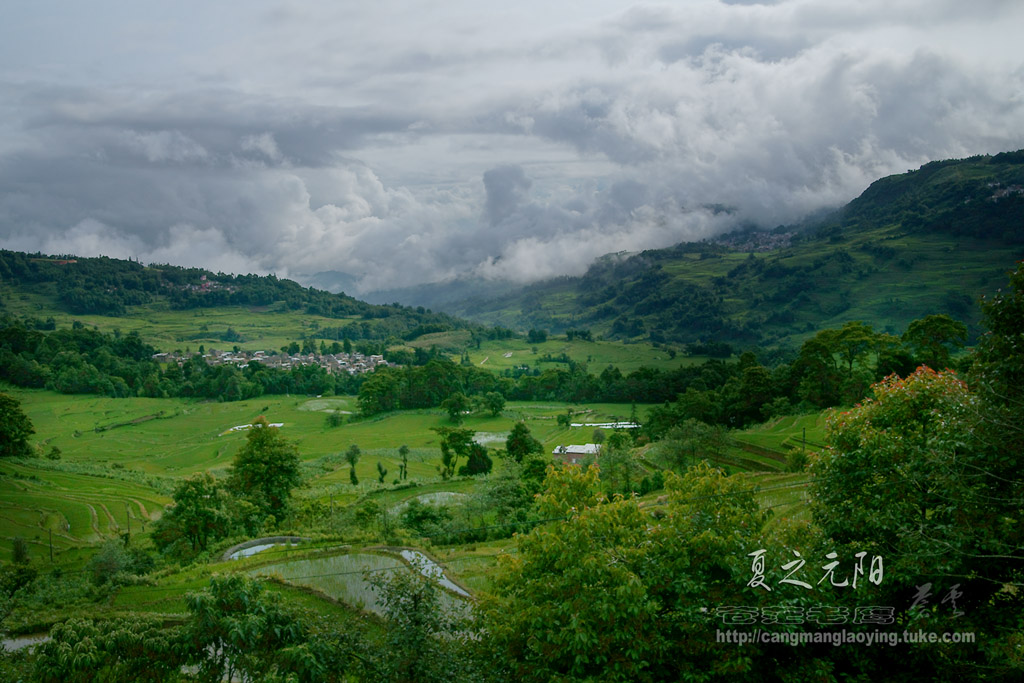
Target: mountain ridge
[{"x": 930, "y": 240}]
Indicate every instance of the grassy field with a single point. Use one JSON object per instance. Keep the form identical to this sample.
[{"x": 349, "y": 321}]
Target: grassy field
[
  {"x": 120, "y": 459},
  {"x": 784, "y": 433},
  {"x": 261, "y": 328},
  {"x": 71, "y": 510},
  {"x": 505, "y": 354}
]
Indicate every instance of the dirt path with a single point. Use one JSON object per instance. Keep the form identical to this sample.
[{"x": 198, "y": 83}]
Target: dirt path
[
  {"x": 112, "y": 524},
  {"x": 142, "y": 508},
  {"x": 95, "y": 519}
]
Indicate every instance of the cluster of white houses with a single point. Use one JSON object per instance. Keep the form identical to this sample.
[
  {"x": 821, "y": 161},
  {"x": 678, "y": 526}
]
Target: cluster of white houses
[{"x": 352, "y": 363}]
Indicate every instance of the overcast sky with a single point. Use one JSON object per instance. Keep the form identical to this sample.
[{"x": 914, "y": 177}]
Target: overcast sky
[{"x": 409, "y": 142}]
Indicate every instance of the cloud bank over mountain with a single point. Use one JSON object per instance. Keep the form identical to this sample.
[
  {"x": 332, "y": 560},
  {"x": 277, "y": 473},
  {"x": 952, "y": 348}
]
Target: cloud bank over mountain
[{"x": 405, "y": 144}]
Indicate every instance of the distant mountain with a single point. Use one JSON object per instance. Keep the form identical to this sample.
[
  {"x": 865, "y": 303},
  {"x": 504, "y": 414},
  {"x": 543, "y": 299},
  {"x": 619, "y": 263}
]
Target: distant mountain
[
  {"x": 437, "y": 295},
  {"x": 927, "y": 241}
]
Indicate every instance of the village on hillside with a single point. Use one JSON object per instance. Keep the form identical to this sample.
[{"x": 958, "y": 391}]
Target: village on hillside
[{"x": 335, "y": 363}]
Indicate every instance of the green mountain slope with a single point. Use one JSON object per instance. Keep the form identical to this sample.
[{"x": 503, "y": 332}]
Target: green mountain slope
[
  {"x": 172, "y": 306},
  {"x": 928, "y": 241}
]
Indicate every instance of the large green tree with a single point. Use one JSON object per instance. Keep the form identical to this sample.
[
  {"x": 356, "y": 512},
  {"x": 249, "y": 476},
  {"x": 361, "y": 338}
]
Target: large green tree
[
  {"x": 456, "y": 404},
  {"x": 236, "y": 631},
  {"x": 265, "y": 469},
  {"x": 455, "y": 443},
  {"x": 15, "y": 428},
  {"x": 931, "y": 337},
  {"x": 615, "y": 593},
  {"x": 908, "y": 476},
  {"x": 520, "y": 442},
  {"x": 494, "y": 402},
  {"x": 425, "y": 638},
  {"x": 197, "y": 516}
]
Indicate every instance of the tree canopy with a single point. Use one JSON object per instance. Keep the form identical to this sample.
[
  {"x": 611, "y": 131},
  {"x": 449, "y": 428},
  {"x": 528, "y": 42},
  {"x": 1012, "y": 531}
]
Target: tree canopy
[
  {"x": 614, "y": 593},
  {"x": 15, "y": 428},
  {"x": 265, "y": 469},
  {"x": 521, "y": 443}
]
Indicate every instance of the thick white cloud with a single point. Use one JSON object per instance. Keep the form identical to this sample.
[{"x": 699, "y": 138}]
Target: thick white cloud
[{"x": 405, "y": 144}]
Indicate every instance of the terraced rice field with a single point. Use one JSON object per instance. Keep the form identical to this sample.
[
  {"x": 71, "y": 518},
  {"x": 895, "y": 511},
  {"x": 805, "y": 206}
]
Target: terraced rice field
[
  {"x": 346, "y": 578},
  {"x": 77, "y": 509}
]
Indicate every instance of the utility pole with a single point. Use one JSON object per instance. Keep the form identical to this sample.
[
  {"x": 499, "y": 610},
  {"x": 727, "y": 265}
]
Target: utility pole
[{"x": 128, "y": 516}]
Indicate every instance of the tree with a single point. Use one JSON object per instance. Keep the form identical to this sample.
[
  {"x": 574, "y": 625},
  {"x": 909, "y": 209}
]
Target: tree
[
  {"x": 691, "y": 441},
  {"x": 930, "y": 337},
  {"x": 352, "y": 457},
  {"x": 236, "y": 631},
  {"x": 265, "y": 469},
  {"x": 455, "y": 444},
  {"x": 133, "y": 649},
  {"x": 19, "y": 550},
  {"x": 820, "y": 376},
  {"x": 381, "y": 472},
  {"x": 455, "y": 405},
  {"x": 477, "y": 462},
  {"x": 403, "y": 451},
  {"x": 893, "y": 464},
  {"x": 380, "y": 392},
  {"x": 997, "y": 370},
  {"x": 196, "y": 516},
  {"x": 114, "y": 563},
  {"x": 520, "y": 442},
  {"x": 508, "y": 494},
  {"x": 15, "y": 428},
  {"x": 425, "y": 640},
  {"x": 911, "y": 475},
  {"x": 853, "y": 342},
  {"x": 617, "y": 463},
  {"x": 755, "y": 391},
  {"x": 494, "y": 402},
  {"x": 614, "y": 593}
]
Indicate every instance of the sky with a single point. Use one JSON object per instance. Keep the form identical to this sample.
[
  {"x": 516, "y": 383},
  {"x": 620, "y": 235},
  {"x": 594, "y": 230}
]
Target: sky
[{"x": 411, "y": 142}]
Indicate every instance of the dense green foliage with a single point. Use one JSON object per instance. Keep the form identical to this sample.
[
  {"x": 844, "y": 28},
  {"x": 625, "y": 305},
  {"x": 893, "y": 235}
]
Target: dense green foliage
[
  {"x": 15, "y": 428},
  {"x": 199, "y": 515},
  {"x": 265, "y": 469},
  {"x": 112, "y": 286},
  {"x": 613, "y": 594},
  {"x": 85, "y": 361}
]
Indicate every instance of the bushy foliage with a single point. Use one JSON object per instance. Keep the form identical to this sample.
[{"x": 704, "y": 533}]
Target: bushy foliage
[
  {"x": 116, "y": 564},
  {"x": 15, "y": 428},
  {"x": 265, "y": 469},
  {"x": 615, "y": 594}
]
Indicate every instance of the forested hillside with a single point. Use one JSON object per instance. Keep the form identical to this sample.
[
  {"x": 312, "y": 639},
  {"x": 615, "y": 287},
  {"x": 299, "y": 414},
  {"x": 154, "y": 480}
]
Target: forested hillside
[
  {"x": 928, "y": 241},
  {"x": 111, "y": 287}
]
